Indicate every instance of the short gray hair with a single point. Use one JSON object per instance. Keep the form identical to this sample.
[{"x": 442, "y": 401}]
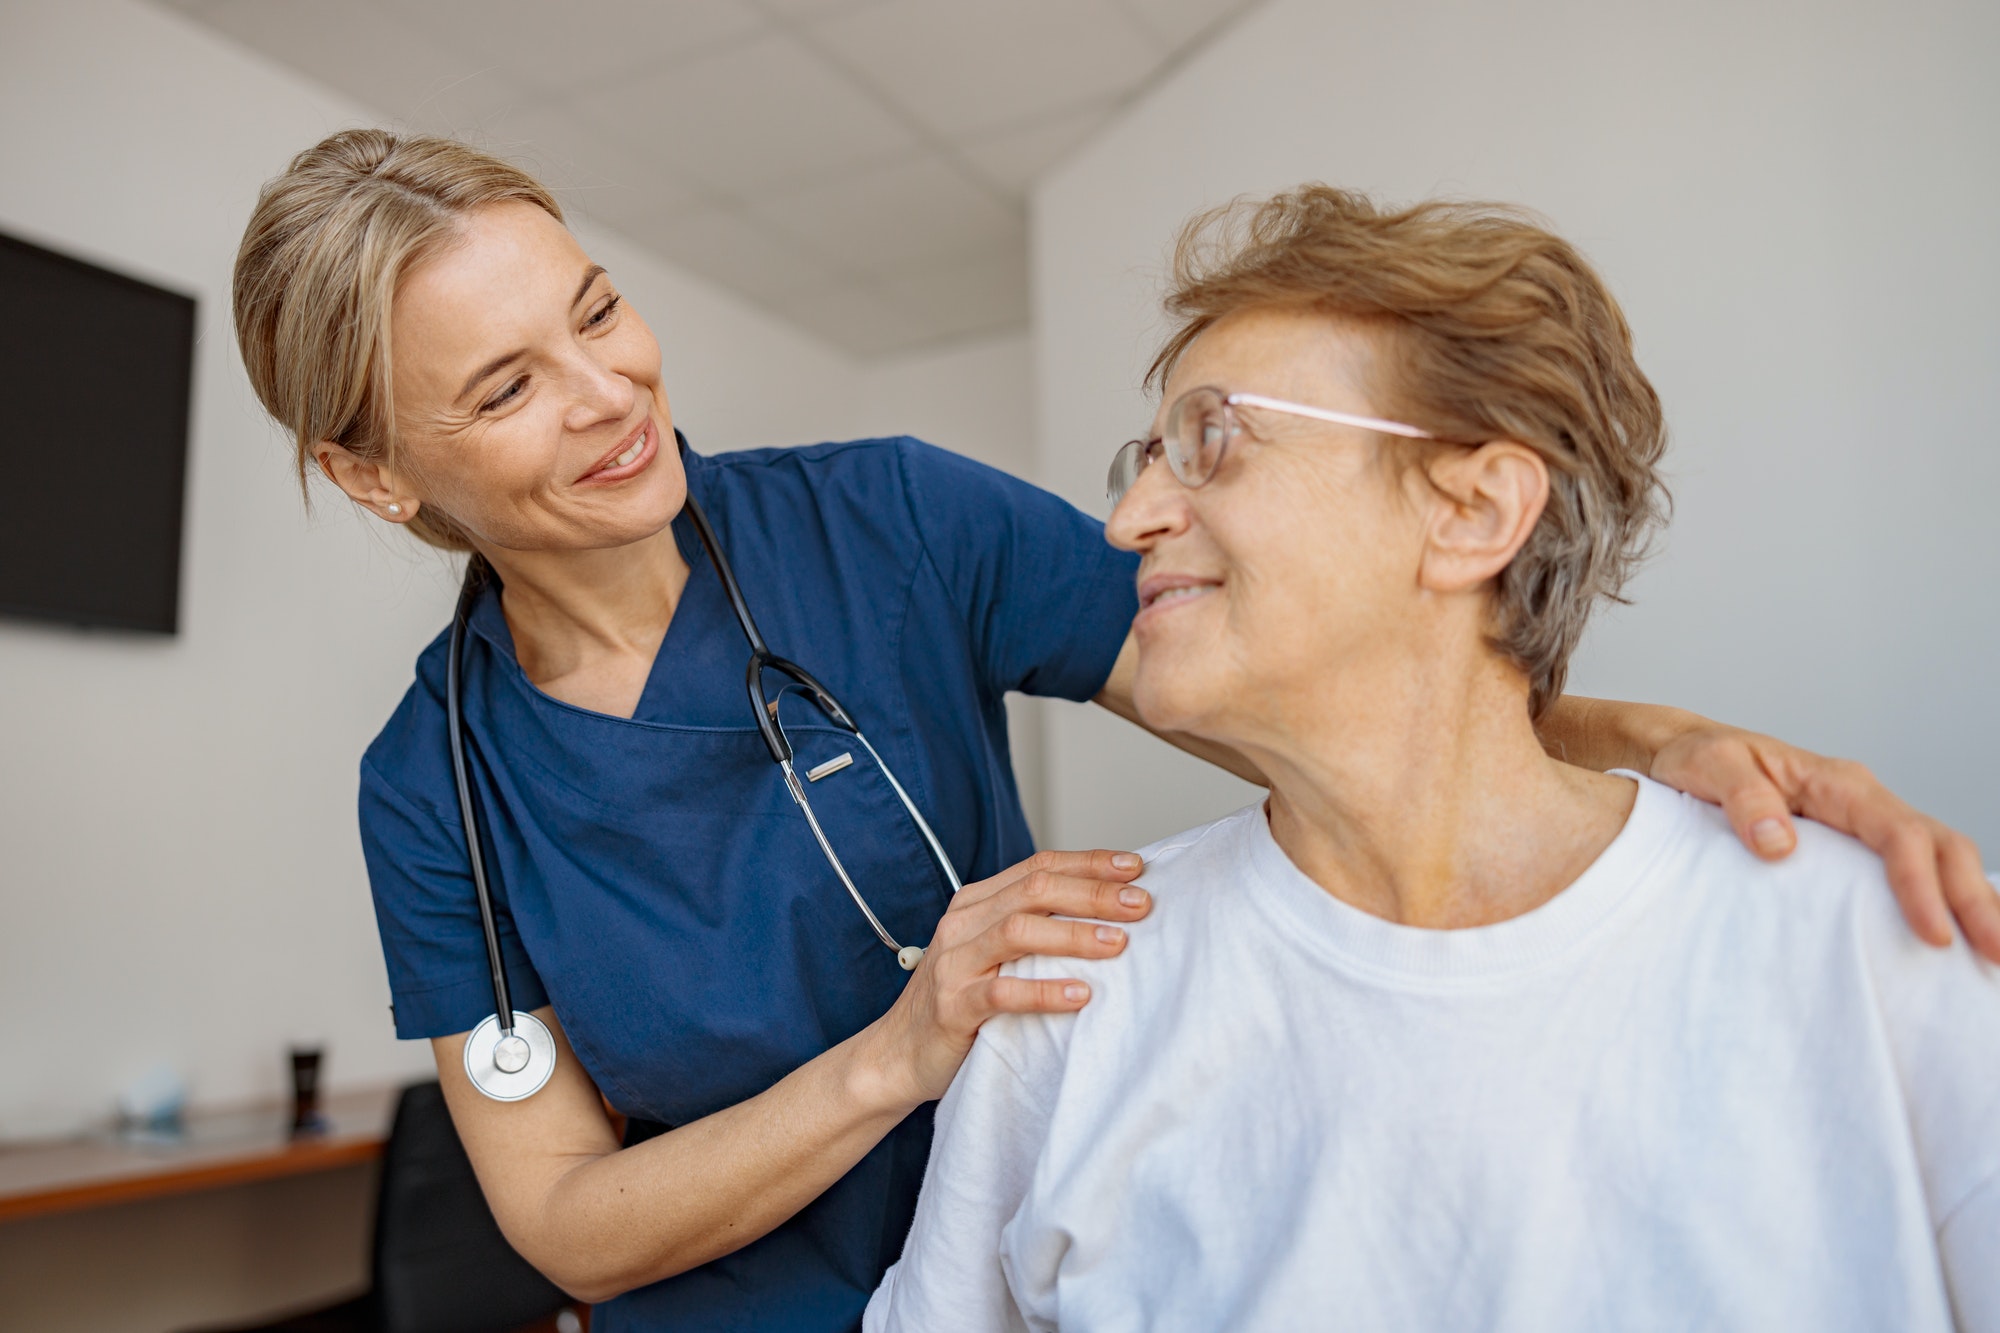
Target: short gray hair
[{"x": 1495, "y": 328}]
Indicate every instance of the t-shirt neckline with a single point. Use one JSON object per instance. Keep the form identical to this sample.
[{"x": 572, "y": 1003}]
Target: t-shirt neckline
[{"x": 1618, "y": 883}]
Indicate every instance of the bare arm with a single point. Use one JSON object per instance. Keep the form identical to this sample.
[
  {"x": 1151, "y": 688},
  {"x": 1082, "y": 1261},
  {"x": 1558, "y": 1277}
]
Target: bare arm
[
  {"x": 1761, "y": 782},
  {"x": 599, "y": 1219}
]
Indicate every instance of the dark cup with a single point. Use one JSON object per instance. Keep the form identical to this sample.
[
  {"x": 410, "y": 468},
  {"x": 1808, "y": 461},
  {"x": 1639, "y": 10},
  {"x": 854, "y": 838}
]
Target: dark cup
[{"x": 306, "y": 1118}]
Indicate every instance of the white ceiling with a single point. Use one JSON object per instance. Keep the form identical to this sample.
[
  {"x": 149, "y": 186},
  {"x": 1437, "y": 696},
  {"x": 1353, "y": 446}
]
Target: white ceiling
[{"x": 859, "y": 167}]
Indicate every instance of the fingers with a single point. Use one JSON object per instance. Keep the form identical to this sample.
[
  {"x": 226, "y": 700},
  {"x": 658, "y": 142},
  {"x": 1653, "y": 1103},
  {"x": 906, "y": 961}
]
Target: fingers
[
  {"x": 1029, "y": 909},
  {"x": 1046, "y": 893},
  {"x": 1757, "y": 807},
  {"x": 967, "y": 975},
  {"x": 1052, "y": 894},
  {"x": 1910, "y": 856},
  {"x": 1934, "y": 871},
  {"x": 1849, "y": 797},
  {"x": 1023, "y": 933},
  {"x": 1758, "y": 813},
  {"x": 1018, "y": 995},
  {"x": 1971, "y": 897},
  {"x": 968, "y": 966},
  {"x": 1113, "y": 867}
]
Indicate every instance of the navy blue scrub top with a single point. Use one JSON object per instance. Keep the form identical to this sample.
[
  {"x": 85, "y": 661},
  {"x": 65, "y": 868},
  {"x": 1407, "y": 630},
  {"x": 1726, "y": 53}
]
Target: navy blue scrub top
[{"x": 656, "y": 884}]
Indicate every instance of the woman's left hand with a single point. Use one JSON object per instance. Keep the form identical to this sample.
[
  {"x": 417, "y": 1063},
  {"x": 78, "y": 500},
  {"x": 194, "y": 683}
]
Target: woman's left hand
[{"x": 1762, "y": 782}]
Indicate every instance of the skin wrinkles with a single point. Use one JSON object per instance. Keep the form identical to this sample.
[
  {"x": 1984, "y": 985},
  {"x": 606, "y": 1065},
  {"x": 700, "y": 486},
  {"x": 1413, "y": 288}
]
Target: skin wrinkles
[
  {"x": 503, "y": 444},
  {"x": 492, "y": 367},
  {"x": 1343, "y": 647},
  {"x": 502, "y": 460}
]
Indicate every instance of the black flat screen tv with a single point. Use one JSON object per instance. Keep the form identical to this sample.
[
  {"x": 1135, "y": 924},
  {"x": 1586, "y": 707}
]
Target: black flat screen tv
[{"x": 96, "y": 371}]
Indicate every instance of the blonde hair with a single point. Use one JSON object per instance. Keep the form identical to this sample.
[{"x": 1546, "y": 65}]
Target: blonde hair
[
  {"x": 1493, "y": 328},
  {"x": 316, "y": 279}
]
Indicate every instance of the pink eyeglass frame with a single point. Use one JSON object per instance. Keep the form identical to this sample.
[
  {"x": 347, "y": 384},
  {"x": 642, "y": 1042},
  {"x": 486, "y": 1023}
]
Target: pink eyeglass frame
[{"x": 1232, "y": 400}]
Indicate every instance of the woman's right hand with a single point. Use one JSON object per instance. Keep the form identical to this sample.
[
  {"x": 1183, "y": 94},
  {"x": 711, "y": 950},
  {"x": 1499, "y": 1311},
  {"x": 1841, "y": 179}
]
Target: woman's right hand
[
  {"x": 927, "y": 1033},
  {"x": 600, "y": 1220}
]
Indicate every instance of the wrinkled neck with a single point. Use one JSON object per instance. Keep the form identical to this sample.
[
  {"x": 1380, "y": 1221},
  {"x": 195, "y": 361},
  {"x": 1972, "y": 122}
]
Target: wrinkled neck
[{"x": 1415, "y": 789}]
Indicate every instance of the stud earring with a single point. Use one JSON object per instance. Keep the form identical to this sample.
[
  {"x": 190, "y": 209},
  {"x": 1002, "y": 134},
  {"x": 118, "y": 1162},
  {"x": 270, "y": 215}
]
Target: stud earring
[{"x": 395, "y": 510}]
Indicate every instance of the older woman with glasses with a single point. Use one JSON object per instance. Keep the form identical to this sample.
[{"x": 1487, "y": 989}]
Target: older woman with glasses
[{"x": 1447, "y": 1033}]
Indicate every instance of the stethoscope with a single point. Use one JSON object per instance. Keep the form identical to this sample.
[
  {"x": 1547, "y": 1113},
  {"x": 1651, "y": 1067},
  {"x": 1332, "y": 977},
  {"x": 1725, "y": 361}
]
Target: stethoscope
[{"x": 511, "y": 1054}]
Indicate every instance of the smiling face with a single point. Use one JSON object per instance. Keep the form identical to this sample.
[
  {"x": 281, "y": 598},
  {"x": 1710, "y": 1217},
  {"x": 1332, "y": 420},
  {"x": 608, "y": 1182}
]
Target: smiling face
[
  {"x": 528, "y": 399},
  {"x": 1300, "y": 560}
]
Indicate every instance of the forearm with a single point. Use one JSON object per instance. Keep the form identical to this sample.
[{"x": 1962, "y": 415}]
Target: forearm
[
  {"x": 1603, "y": 734},
  {"x": 615, "y": 1221}
]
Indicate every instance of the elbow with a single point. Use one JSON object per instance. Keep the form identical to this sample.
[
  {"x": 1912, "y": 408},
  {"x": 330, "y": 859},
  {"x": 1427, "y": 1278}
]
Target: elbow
[
  {"x": 593, "y": 1284},
  {"x": 590, "y": 1293},
  {"x": 585, "y": 1272},
  {"x": 595, "y": 1288},
  {"x": 593, "y": 1258},
  {"x": 585, "y": 1277},
  {"x": 599, "y": 1278}
]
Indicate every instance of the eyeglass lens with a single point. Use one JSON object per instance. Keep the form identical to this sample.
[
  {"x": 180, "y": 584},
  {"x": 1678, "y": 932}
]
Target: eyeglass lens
[
  {"x": 1197, "y": 435},
  {"x": 1126, "y": 465}
]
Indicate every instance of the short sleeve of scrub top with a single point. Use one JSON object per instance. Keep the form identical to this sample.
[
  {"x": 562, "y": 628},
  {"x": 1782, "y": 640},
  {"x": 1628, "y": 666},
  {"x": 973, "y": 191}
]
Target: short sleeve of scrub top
[
  {"x": 654, "y": 882},
  {"x": 1030, "y": 572},
  {"x": 425, "y": 903}
]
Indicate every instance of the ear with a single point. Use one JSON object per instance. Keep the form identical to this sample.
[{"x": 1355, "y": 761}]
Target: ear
[
  {"x": 366, "y": 481},
  {"x": 1484, "y": 503}
]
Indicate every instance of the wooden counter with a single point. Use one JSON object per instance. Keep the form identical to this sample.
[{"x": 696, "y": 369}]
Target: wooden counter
[{"x": 219, "y": 1148}]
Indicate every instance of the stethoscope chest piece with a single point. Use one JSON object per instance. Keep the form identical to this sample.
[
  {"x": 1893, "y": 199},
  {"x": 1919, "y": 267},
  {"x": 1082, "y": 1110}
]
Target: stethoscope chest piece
[{"x": 510, "y": 1067}]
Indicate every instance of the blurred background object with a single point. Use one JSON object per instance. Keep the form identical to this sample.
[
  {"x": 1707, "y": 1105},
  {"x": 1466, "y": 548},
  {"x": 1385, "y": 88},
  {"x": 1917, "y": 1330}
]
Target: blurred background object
[
  {"x": 152, "y": 1105},
  {"x": 306, "y": 1067},
  {"x": 851, "y": 217}
]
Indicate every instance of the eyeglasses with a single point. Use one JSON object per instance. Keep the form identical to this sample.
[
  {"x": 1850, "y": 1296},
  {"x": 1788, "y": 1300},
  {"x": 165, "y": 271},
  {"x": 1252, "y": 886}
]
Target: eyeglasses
[{"x": 1200, "y": 425}]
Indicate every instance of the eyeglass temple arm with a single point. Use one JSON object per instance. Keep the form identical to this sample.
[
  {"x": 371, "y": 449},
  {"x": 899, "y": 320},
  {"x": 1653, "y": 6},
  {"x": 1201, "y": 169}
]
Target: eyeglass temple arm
[{"x": 1328, "y": 414}]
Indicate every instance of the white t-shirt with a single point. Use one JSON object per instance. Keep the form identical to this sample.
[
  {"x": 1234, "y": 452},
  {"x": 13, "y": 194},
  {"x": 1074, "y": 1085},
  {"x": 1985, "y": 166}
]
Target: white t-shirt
[{"x": 1692, "y": 1091}]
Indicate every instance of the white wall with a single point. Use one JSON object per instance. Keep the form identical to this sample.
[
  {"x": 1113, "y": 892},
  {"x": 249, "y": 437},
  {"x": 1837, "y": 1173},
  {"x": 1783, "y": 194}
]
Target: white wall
[{"x": 1796, "y": 204}]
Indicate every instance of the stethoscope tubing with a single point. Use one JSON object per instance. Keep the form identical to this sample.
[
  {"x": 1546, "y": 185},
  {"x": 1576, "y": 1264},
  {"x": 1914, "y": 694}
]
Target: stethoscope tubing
[
  {"x": 537, "y": 1056},
  {"x": 503, "y": 1005}
]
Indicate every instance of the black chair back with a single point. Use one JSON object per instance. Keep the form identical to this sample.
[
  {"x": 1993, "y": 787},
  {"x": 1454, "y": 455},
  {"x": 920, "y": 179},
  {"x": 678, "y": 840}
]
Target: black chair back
[{"x": 441, "y": 1264}]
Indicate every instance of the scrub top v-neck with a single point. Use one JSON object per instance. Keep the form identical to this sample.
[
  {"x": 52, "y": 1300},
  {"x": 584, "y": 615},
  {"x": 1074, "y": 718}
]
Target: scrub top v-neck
[{"x": 654, "y": 881}]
